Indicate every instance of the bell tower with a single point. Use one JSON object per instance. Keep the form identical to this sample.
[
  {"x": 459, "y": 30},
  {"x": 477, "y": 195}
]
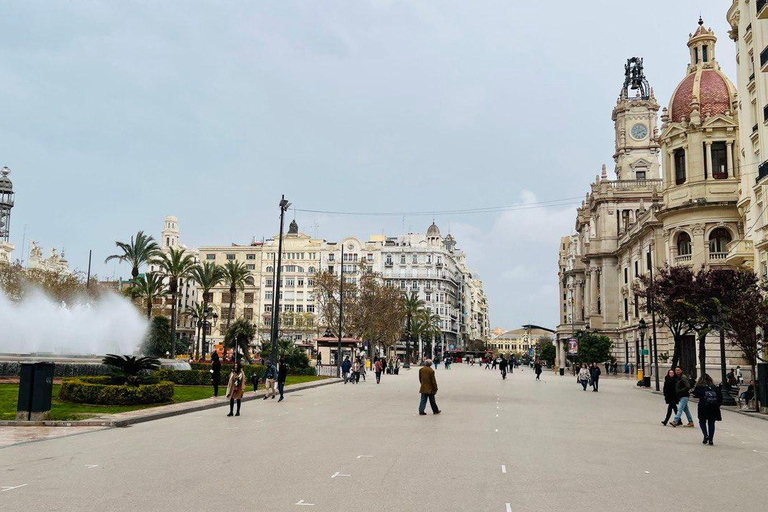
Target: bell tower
[
  {"x": 170, "y": 235},
  {"x": 635, "y": 122}
]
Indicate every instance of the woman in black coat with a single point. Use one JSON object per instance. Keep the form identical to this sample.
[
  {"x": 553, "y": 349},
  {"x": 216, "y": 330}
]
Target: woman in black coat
[
  {"x": 670, "y": 397},
  {"x": 710, "y": 398},
  {"x": 215, "y": 372}
]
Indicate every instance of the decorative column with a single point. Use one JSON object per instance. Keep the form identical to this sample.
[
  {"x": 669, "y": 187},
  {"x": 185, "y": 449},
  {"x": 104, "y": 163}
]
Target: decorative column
[
  {"x": 578, "y": 291},
  {"x": 593, "y": 290},
  {"x": 731, "y": 169},
  {"x": 711, "y": 170}
]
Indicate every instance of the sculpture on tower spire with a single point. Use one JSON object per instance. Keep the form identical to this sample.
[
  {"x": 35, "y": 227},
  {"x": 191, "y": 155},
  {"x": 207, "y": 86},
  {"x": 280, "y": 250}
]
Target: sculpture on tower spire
[{"x": 634, "y": 79}]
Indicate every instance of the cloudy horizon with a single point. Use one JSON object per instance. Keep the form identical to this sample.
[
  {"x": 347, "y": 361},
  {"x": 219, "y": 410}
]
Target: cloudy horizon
[{"x": 118, "y": 114}]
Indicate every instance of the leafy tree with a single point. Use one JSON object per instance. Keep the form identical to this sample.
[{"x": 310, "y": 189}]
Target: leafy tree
[
  {"x": 669, "y": 294},
  {"x": 327, "y": 300},
  {"x": 137, "y": 252},
  {"x": 593, "y": 348},
  {"x": 158, "y": 339},
  {"x": 547, "y": 351},
  {"x": 149, "y": 287},
  {"x": 176, "y": 264},
  {"x": 239, "y": 336},
  {"x": 131, "y": 367},
  {"x": 746, "y": 312},
  {"x": 295, "y": 357}
]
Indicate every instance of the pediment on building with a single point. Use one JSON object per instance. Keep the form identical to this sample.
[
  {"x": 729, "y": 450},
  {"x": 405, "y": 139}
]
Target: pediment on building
[
  {"x": 672, "y": 130},
  {"x": 720, "y": 120}
]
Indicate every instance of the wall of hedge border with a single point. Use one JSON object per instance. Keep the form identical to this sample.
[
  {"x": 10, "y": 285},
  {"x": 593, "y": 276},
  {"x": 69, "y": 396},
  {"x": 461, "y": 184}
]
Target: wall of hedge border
[
  {"x": 249, "y": 370},
  {"x": 97, "y": 390}
]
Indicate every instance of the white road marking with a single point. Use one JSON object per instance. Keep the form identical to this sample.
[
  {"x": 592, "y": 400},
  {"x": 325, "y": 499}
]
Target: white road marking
[
  {"x": 338, "y": 474},
  {"x": 496, "y": 430},
  {"x": 91, "y": 466},
  {"x": 509, "y": 507},
  {"x": 301, "y": 502},
  {"x": 233, "y": 428},
  {"x": 504, "y": 469},
  {"x": 497, "y": 415},
  {"x": 7, "y": 488},
  {"x": 259, "y": 421},
  {"x": 647, "y": 472},
  {"x": 365, "y": 456}
]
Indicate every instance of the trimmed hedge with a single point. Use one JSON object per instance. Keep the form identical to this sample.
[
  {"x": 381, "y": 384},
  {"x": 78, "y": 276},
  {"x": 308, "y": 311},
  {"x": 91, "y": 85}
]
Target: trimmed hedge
[
  {"x": 98, "y": 391},
  {"x": 248, "y": 369},
  {"x": 201, "y": 375}
]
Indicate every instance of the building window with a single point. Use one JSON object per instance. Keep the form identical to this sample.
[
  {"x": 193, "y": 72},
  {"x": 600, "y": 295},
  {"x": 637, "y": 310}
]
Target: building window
[
  {"x": 250, "y": 266},
  {"x": 415, "y": 259},
  {"x": 210, "y": 256},
  {"x": 705, "y": 53},
  {"x": 679, "y": 158},
  {"x": 402, "y": 259},
  {"x": 310, "y": 308},
  {"x": 637, "y": 268},
  {"x": 637, "y": 312},
  {"x": 230, "y": 256},
  {"x": 249, "y": 281},
  {"x": 683, "y": 244},
  {"x": 267, "y": 308},
  {"x": 250, "y": 256},
  {"x": 331, "y": 257},
  {"x": 719, "y": 160},
  {"x": 369, "y": 257},
  {"x": 248, "y": 298},
  {"x": 640, "y": 174},
  {"x": 626, "y": 275},
  {"x": 719, "y": 240},
  {"x": 311, "y": 270}
]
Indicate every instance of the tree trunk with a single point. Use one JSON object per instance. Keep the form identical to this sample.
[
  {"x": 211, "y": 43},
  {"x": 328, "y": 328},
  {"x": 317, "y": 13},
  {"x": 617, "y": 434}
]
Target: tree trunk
[
  {"x": 134, "y": 272},
  {"x": 676, "y": 351},
  {"x": 174, "y": 295},
  {"x": 703, "y": 351},
  {"x": 232, "y": 291},
  {"x": 149, "y": 308}
]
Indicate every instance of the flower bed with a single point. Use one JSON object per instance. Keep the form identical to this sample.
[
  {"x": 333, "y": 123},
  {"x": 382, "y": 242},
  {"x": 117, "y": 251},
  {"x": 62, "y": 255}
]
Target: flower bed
[{"x": 103, "y": 391}]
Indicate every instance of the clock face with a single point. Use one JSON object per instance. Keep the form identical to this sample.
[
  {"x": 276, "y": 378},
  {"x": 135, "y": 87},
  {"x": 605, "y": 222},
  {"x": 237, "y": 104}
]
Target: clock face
[{"x": 639, "y": 131}]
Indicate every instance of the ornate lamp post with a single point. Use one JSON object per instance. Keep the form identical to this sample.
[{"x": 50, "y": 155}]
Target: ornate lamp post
[
  {"x": 284, "y": 204},
  {"x": 641, "y": 327}
]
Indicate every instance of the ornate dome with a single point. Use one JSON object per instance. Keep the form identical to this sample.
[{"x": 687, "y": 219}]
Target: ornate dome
[
  {"x": 433, "y": 230},
  {"x": 705, "y": 88},
  {"x": 711, "y": 90}
]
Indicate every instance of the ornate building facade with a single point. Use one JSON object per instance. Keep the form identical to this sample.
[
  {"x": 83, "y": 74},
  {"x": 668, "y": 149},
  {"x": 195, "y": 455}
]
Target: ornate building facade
[{"x": 643, "y": 220}]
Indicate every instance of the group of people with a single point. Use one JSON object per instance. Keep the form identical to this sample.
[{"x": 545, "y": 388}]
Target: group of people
[
  {"x": 274, "y": 381},
  {"x": 678, "y": 389},
  {"x": 589, "y": 375}
]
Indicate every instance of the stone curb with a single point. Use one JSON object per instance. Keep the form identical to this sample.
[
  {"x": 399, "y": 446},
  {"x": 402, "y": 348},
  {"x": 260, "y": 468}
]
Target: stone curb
[
  {"x": 729, "y": 408},
  {"x": 125, "y": 419}
]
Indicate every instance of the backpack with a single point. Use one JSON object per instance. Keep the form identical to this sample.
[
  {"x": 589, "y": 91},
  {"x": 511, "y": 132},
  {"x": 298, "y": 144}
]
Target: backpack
[{"x": 710, "y": 397}]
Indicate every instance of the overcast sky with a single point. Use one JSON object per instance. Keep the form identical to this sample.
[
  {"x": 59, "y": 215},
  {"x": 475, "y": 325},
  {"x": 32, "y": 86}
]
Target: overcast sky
[{"x": 115, "y": 114}]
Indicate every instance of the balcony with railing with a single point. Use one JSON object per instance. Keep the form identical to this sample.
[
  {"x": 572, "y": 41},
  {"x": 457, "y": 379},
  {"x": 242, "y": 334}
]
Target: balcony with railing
[
  {"x": 718, "y": 257},
  {"x": 762, "y": 171},
  {"x": 760, "y": 9},
  {"x": 683, "y": 259},
  {"x": 635, "y": 184},
  {"x": 740, "y": 252}
]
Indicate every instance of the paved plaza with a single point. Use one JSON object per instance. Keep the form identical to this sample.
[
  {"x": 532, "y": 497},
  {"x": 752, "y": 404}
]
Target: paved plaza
[{"x": 515, "y": 445}]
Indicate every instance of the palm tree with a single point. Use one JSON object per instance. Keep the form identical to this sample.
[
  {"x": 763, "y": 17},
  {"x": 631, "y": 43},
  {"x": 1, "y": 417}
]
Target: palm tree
[
  {"x": 433, "y": 330},
  {"x": 239, "y": 336},
  {"x": 137, "y": 252},
  {"x": 197, "y": 313},
  {"x": 235, "y": 274},
  {"x": 148, "y": 286},
  {"x": 207, "y": 276},
  {"x": 412, "y": 305},
  {"x": 176, "y": 264},
  {"x": 131, "y": 367}
]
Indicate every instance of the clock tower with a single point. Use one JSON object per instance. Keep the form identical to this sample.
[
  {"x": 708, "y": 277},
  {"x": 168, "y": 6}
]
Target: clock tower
[{"x": 634, "y": 119}]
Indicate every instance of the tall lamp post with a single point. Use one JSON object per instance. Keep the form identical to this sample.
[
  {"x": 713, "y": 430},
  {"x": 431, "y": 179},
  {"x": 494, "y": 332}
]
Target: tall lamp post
[
  {"x": 341, "y": 311},
  {"x": 275, "y": 309},
  {"x": 208, "y": 313},
  {"x": 641, "y": 327}
]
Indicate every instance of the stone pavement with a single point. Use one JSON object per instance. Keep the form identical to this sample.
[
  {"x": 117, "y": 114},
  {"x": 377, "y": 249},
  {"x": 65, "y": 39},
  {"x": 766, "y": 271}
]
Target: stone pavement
[{"x": 514, "y": 445}]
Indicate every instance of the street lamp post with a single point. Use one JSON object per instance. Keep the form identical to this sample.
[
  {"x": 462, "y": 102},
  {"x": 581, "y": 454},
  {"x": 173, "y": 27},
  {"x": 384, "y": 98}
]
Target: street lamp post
[
  {"x": 341, "y": 311},
  {"x": 641, "y": 327},
  {"x": 284, "y": 204}
]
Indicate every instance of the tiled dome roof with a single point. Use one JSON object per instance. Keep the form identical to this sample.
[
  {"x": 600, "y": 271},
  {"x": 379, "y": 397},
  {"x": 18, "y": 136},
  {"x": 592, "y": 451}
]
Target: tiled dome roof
[{"x": 709, "y": 86}]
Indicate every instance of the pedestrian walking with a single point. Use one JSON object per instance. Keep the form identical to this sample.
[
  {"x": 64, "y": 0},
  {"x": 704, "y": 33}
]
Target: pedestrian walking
[
  {"x": 584, "y": 377},
  {"x": 428, "y": 388},
  {"x": 377, "y": 367},
  {"x": 356, "y": 371},
  {"x": 383, "y": 365},
  {"x": 503, "y": 368},
  {"x": 346, "y": 366},
  {"x": 397, "y": 366},
  {"x": 710, "y": 399},
  {"x": 270, "y": 376},
  {"x": 494, "y": 364},
  {"x": 682, "y": 390},
  {"x": 215, "y": 373},
  {"x": 282, "y": 376},
  {"x": 594, "y": 376},
  {"x": 537, "y": 370},
  {"x": 235, "y": 388},
  {"x": 670, "y": 395}
]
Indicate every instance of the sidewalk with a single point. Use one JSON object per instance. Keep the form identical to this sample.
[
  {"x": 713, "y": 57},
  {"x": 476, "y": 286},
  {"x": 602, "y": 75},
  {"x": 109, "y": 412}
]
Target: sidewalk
[{"x": 124, "y": 419}]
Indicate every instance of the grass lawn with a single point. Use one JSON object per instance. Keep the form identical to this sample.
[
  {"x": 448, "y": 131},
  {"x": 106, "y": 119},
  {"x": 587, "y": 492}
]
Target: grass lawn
[{"x": 9, "y": 394}]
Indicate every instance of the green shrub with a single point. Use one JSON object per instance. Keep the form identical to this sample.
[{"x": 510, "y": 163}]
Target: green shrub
[
  {"x": 200, "y": 374},
  {"x": 103, "y": 393},
  {"x": 303, "y": 371}
]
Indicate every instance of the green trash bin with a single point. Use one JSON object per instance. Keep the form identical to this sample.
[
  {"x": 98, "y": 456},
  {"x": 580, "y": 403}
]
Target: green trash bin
[{"x": 35, "y": 390}]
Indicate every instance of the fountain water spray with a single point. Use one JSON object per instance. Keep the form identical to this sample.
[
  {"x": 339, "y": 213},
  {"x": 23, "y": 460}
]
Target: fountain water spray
[{"x": 109, "y": 324}]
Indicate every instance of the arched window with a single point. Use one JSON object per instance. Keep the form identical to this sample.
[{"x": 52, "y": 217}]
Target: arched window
[
  {"x": 249, "y": 281},
  {"x": 683, "y": 244},
  {"x": 718, "y": 241},
  {"x": 270, "y": 269},
  {"x": 311, "y": 270}
]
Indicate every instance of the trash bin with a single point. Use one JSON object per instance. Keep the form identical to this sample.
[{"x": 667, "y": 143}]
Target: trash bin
[
  {"x": 562, "y": 371},
  {"x": 647, "y": 382},
  {"x": 35, "y": 390}
]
